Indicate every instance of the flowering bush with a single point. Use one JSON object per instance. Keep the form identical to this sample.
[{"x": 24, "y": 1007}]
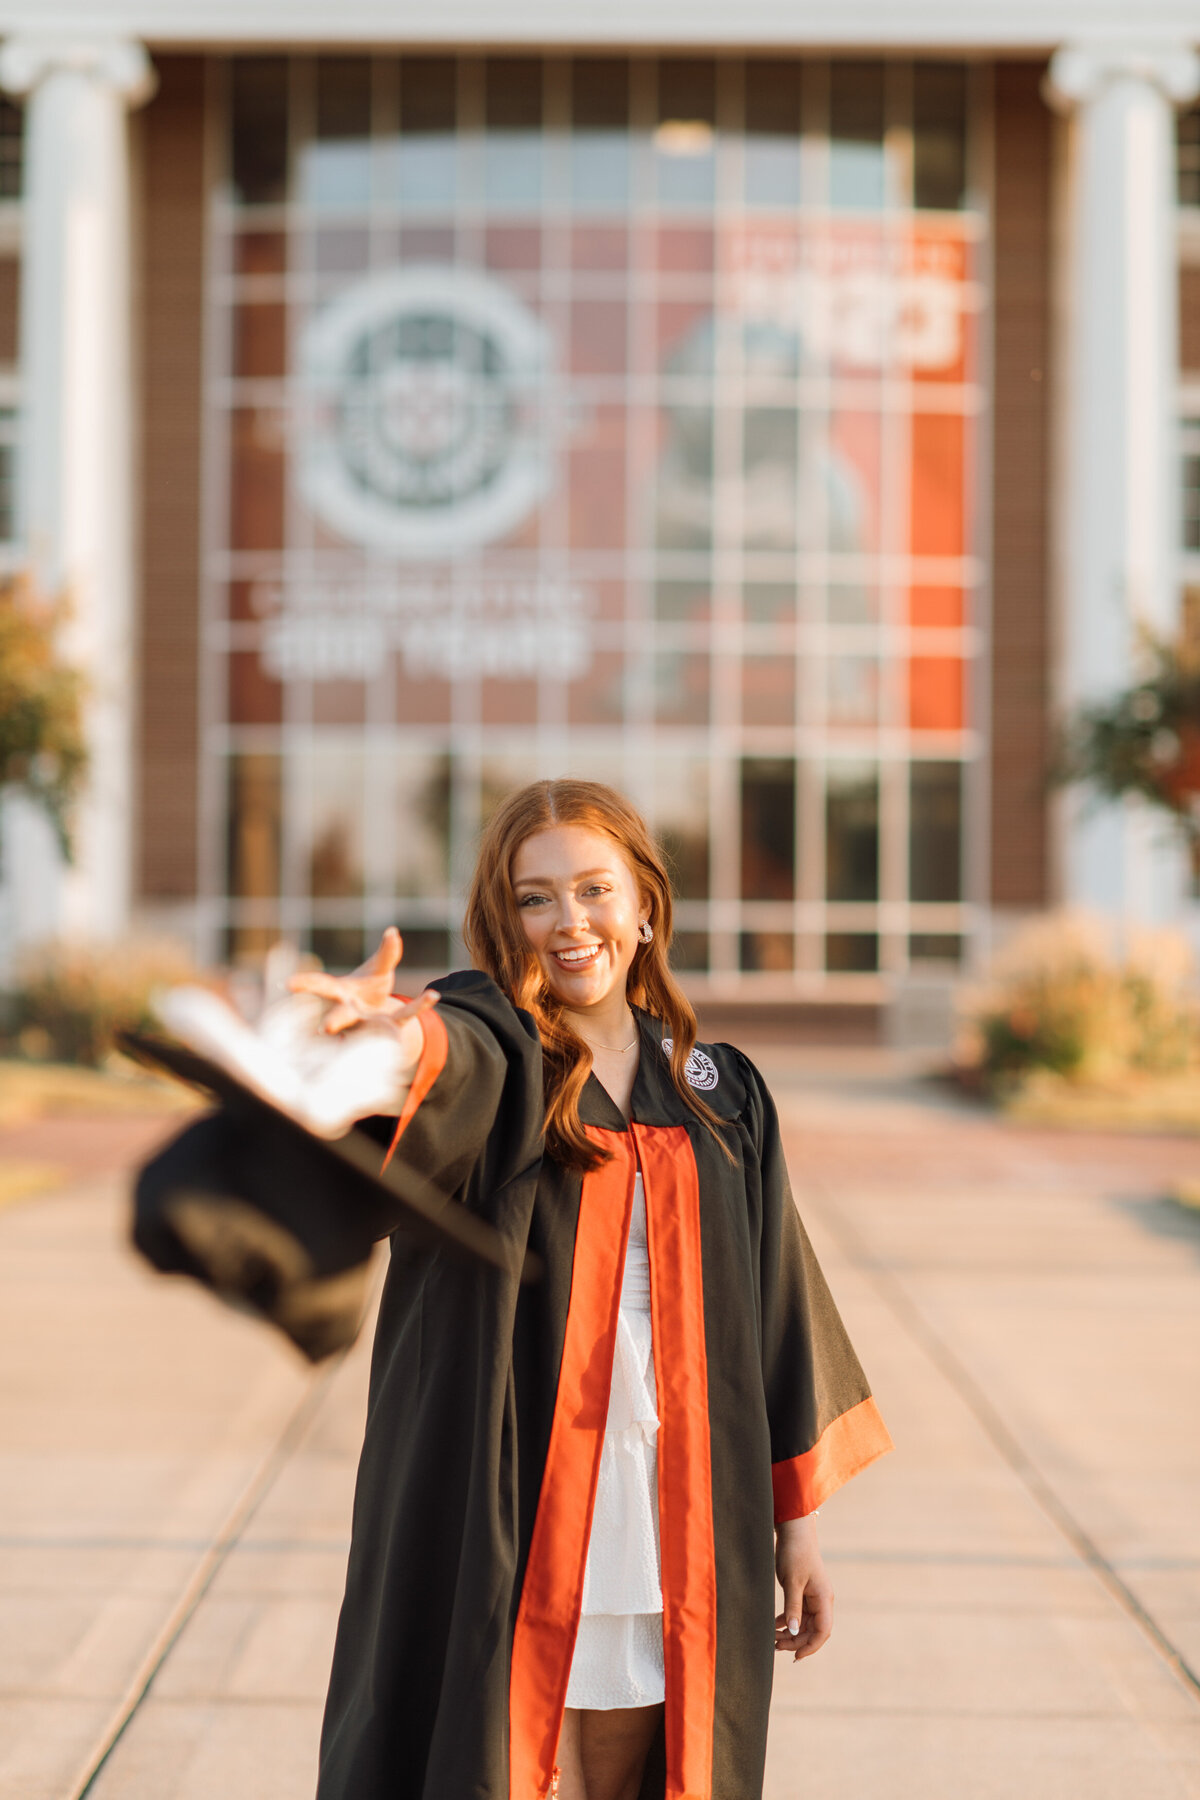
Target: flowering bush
[
  {"x": 42, "y": 746},
  {"x": 70, "y": 1000},
  {"x": 1064, "y": 999}
]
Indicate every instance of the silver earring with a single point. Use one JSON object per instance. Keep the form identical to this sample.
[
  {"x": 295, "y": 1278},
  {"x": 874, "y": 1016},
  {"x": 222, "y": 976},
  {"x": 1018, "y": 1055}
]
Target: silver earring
[{"x": 646, "y": 931}]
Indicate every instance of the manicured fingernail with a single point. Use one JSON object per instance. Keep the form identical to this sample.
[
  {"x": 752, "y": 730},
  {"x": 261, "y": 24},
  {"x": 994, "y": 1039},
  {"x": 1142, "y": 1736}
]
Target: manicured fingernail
[{"x": 794, "y": 1627}]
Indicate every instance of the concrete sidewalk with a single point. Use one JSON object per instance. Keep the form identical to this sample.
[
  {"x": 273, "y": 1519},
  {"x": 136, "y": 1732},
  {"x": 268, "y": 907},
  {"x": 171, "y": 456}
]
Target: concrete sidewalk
[{"x": 1012, "y": 1585}]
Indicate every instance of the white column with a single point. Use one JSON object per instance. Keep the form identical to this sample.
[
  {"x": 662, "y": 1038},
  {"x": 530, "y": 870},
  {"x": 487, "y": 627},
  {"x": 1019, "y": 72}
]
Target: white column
[
  {"x": 1121, "y": 528},
  {"x": 75, "y": 502}
]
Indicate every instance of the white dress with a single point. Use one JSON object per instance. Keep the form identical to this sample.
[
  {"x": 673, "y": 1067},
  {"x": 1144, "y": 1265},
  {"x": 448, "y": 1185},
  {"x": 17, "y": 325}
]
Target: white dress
[{"x": 618, "y": 1657}]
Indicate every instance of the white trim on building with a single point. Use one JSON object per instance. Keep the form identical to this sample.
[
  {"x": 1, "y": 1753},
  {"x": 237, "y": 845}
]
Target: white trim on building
[{"x": 1003, "y": 26}]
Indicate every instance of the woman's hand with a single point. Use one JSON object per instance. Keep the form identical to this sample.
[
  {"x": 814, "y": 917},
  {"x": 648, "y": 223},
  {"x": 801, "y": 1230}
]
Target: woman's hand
[
  {"x": 367, "y": 994},
  {"x": 807, "y": 1617}
]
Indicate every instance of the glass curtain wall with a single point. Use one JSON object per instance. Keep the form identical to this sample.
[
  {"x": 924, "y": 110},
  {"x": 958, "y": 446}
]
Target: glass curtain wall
[{"x": 603, "y": 416}]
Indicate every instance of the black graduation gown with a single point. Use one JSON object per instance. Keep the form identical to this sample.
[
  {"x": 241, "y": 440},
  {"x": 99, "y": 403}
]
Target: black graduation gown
[{"x": 487, "y": 1409}]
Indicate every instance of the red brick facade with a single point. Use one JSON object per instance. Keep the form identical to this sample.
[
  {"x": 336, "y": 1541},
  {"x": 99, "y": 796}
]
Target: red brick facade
[
  {"x": 1189, "y": 320},
  {"x": 10, "y": 285},
  {"x": 170, "y": 350},
  {"x": 1020, "y": 652}
]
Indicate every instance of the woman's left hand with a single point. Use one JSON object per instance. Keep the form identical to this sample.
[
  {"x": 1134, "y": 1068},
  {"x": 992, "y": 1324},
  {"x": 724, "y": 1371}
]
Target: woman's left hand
[
  {"x": 807, "y": 1617},
  {"x": 366, "y": 996}
]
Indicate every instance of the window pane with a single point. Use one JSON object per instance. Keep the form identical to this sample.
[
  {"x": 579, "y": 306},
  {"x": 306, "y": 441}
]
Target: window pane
[
  {"x": 1188, "y": 156},
  {"x": 852, "y": 692},
  {"x": 343, "y": 97},
  {"x": 420, "y": 166},
  {"x": 769, "y": 442},
  {"x": 685, "y": 473},
  {"x": 513, "y": 150},
  {"x": 340, "y": 947},
  {"x": 600, "y": 134},
  {"x": 681, "y": 686},
  {"x": 256, "y": 502},
  {"x": 424, "y": 950},
  {"x": 770, "y": 602},
  {"x": 768, "y": 830},
  {"x": 852, "y": 952},
  {"x": 689, "y": 951},
  {"x": 254, "y": 826},
  {"x": 685, "y": 138},
  {"x": 260, "y": 340},
  {"x": 853, "y": 603},
  {"x": 683, "y": 600},
  {"x": 772, "y": 146},
  {"x": 766, "y": 950},
  {"x": 681, "y": 821},
  {"x": 418, "y": 802},
  {"x": 768, "y": 690},
  {"x": 8, "y": 515},
  {"x": 12, "y": 149},
  {"x": 852, "y": 831},
  {"x": 1191, "y": 493},
  {"x": 935, "y": 831},
  {"x": 939, "y": 135},
  {"x": 332, "y": 851},
  {"x": 336, "y": 167},
  {"x": 935, "y": 947},
  {"x": 856, "y": 134},
  {"x": 259, "y": 128}
]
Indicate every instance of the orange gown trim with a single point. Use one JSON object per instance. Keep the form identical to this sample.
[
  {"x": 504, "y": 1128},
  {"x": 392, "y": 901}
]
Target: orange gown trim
[
  {"x": 844, "y": 1448},
  {"x": 689, "y": 1571},
  {"x": 552, "y": 1591},
  {"x": 432, "y": 1061}
]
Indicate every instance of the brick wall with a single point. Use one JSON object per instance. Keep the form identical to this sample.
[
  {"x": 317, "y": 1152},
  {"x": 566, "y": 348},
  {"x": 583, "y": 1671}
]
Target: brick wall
[
  {"x": 169, "y": 353},
  {"x": 1020, "y": 673},
  {"x": 1189, "y": 319},
  {"x": 10, "y": 287}
]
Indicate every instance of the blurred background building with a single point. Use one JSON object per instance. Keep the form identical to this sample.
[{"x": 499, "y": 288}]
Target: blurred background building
[{"x": 780, "y": 412}]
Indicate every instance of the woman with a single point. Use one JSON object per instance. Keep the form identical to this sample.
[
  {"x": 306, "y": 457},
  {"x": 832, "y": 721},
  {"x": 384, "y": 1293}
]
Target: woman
[{"x": 560, "y": 1576}]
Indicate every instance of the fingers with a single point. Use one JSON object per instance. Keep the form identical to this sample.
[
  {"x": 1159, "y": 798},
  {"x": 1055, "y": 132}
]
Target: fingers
[
  {"x": 412, "y": 1009},
  {"x": 315, "y": 981},
  {"x": 793, "y": 1604},
  {"x": 805, "y": 1625},
  {"x": 340, "y": 1018},
  {"x": 386, "y": 957},
  {"x": 375, "y": 974},
  {"x": 789, "y": 1626},
  {"x": 819, "y": 1614},
  {"x": 354, "y": 1011}
]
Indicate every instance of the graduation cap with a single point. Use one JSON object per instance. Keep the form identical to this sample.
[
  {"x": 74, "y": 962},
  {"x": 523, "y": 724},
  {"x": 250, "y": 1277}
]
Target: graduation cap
[{"x": 281, "y": 1222}]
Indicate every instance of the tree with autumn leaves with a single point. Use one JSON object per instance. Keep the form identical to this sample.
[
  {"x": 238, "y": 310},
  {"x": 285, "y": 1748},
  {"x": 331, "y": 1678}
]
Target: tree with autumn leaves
[{"x": 43, "y": 753}]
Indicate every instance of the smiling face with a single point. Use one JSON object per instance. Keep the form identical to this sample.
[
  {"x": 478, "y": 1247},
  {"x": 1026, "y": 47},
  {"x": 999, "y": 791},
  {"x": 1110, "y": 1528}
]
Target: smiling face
[{"x": 580, "y": 907}]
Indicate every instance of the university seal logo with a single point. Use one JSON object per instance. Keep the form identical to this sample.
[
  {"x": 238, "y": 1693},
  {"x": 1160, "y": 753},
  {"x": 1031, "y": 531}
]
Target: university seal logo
[
  {"x": 425, "y": 416},
  {"x": 700, "y": 1070}
]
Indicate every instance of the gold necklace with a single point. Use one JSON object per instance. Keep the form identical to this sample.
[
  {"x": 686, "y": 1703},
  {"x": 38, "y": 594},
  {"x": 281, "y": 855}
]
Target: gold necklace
[{"x": 613, "y": 1049}]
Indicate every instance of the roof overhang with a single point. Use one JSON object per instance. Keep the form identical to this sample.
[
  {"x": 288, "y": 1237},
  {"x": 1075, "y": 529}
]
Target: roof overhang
[{"x": 1004, "y": 27}]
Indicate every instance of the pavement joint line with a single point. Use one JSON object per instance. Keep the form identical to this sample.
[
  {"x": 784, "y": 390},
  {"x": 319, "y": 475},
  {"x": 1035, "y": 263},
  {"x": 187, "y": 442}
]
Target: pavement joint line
[
  {"x": 223, "y": 1543},
  {"x": 910, "y": 1315}
]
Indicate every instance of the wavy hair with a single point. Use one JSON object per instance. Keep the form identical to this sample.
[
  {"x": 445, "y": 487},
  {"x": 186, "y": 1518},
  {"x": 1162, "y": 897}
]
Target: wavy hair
[{"x": 495, "y": 938}]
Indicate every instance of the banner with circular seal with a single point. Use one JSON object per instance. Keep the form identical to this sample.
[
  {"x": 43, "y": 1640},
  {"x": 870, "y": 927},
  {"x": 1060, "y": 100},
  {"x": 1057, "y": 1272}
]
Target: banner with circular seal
[{"x": 426, "y": 419}]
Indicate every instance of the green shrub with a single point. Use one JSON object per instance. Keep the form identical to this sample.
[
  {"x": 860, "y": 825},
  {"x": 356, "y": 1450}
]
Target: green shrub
[
  {"x": 1063, "y": 998},
  {"x": 70, "y": 1000}
]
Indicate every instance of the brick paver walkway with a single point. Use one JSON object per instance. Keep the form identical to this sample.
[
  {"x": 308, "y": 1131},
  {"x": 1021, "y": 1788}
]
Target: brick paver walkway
[{"x": 1017, "y": 1586}]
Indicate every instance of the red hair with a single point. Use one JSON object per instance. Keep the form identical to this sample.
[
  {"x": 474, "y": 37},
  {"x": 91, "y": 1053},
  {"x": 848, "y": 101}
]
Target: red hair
[{"x": 496, "y": 939}]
